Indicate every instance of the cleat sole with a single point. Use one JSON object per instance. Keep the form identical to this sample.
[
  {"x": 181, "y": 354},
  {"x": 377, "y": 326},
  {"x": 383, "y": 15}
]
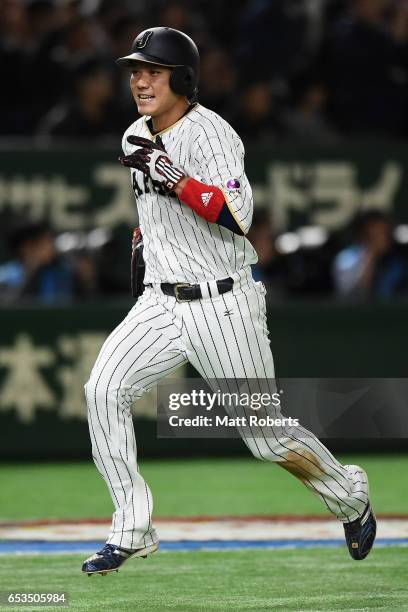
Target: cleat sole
[{"x": 144, "y": 552}]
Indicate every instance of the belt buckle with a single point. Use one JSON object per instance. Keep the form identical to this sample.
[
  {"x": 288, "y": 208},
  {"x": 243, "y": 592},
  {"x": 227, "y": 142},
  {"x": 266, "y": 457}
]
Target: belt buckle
[{"x": 177, "y": 287}]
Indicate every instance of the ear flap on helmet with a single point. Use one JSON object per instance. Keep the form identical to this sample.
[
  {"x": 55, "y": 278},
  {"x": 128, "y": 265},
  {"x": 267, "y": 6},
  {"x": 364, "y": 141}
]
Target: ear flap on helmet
[{"x": 182, "y": 81}]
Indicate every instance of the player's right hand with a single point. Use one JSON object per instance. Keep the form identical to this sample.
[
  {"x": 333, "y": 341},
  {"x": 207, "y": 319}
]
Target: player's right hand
[
  {"x": 139, "y": 158},
  {"x": 145, "y": 143},
  {"x": 151, "y": 159}
]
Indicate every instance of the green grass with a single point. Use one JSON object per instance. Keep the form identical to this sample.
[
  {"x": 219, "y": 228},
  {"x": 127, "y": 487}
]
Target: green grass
[
  {"x": 189, "y": 487},
  {"x": 318, "y": 580}
]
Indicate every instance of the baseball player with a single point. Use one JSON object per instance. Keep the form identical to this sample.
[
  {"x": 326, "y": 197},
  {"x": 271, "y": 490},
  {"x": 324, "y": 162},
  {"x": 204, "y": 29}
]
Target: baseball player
[{"x": 199, "y": 302}]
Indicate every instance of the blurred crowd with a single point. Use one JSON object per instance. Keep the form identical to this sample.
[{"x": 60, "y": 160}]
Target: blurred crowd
[
  {"x": 278, "y": 70},
  {"x": 40, "y": 265},
  {"x": 320, "y": 72},
  {"x": 366, "y": 261}
]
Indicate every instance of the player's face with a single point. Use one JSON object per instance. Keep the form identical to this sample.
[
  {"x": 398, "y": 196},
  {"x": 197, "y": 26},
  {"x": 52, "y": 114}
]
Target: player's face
[{"x": 150, "y": 85}]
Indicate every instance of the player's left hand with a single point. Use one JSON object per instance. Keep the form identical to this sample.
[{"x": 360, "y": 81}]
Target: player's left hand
[{"x": 151, "y": 158}]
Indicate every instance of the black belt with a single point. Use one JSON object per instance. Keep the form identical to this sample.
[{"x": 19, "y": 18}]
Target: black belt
[{"x": 183, "y": 292}]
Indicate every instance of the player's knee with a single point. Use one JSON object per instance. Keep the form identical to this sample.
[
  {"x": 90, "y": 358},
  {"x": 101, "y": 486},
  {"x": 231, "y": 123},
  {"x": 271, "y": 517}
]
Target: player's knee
[
  {"x": 88, "y": 385},
  {"x": 93, "y": 391},
  {"x": 99, "y": 392}
]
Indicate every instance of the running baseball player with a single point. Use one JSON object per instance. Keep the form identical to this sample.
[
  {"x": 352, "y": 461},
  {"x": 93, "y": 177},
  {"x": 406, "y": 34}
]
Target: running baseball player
[{"x": 195, "y": 207}]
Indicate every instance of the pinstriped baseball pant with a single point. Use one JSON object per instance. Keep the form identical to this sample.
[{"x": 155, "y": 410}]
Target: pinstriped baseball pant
[{"x": 156, "y": 337}]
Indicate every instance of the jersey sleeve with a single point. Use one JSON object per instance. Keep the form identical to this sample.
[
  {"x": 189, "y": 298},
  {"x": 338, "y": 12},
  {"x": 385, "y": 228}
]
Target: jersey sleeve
[{"x": 219, "y": 155}]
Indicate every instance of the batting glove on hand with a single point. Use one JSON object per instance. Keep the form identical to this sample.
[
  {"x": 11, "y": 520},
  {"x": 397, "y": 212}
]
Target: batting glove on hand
[{"x": 151, "y": 158}]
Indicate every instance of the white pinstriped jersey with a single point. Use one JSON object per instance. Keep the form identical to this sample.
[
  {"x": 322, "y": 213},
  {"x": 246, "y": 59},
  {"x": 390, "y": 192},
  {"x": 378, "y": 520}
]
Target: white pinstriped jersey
[
  {"x": 179, "y": 245},
  {"x": 222, "y": 336}
]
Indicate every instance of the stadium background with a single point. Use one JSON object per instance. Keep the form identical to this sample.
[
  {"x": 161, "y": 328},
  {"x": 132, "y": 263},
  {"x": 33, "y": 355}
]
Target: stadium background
[{"x": 317, "y": 89}]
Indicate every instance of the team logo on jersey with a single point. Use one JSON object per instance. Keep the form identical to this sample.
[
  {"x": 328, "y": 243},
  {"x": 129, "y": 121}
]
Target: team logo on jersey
[
  {"x": 233, "y": 183},
  {"x": 206, "y": 197},
  {"x": 144, "y": 40}
]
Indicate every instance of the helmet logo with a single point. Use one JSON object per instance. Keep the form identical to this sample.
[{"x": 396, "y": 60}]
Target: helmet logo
[{"x": 144, "y": 40}]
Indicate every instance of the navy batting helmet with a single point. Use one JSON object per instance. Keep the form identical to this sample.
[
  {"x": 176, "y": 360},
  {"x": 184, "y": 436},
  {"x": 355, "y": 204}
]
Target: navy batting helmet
[{"x": 170, "y": 48}]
